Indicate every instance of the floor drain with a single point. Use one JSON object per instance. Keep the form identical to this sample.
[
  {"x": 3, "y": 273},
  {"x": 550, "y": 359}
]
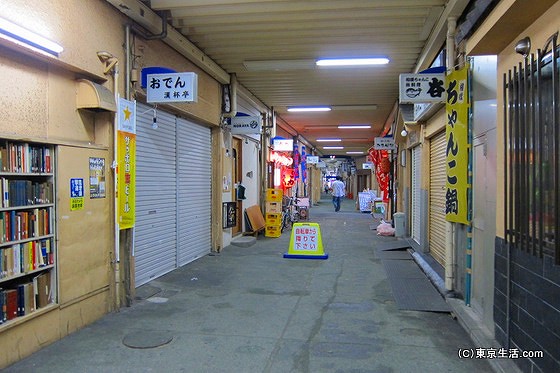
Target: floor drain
[{"x": 147, "y": 339}]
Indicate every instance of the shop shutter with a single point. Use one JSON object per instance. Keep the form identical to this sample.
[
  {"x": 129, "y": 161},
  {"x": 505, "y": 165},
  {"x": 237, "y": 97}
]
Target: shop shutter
[
  {"x": 194, "y": 175},
  {"x": 416, "y": 193},
  {"x": 156, "y": 195},
  {"x": 437, "y": 221}
]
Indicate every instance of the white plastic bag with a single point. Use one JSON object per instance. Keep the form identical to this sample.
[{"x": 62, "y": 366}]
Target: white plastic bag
[{"x": 385, "y": 229}]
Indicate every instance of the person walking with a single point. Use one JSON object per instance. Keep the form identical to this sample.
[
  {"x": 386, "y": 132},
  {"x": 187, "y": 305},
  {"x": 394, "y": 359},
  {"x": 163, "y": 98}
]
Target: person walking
[{"x": 339, "y": 190}]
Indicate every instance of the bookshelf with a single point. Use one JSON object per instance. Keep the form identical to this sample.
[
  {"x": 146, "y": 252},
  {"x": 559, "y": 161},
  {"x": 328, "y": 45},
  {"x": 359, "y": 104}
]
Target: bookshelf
[{"x": 27, "y": 231}]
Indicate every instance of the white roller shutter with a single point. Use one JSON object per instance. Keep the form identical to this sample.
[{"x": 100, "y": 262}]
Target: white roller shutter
[
  {"x": 194, "y": 174},
  {"x": 156, "y": 195},
  {"x": 437, "y": 197},
  {"x": 416, "y": 193}
]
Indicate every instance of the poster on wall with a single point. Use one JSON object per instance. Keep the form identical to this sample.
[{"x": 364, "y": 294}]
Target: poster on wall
[
  {"x": 96, "y": 177},
  {"x": 76, "y": 194},
  {"x": 126, "y": 163},
  {"x": 457, "y": 149}
]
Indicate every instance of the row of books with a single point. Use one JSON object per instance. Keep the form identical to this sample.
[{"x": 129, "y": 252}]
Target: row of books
[
  {"x": 25, "y": 257},
  {"x": 25, "y": 158},
  {"x": 25, "y": 298},
  {"x": 25, "y": 192},
  {"x": 21, "y": 225}
]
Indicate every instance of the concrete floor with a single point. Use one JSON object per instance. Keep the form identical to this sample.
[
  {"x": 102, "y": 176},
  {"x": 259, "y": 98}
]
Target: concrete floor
[{"x": 248, "y": 309}]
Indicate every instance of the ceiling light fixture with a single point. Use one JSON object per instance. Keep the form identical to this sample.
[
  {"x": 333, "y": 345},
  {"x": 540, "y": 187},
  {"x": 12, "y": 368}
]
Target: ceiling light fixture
[
  {"x": 354, "y": 126},
  {"x": 333, "y": 147},
  {"x": 352, "y": 61},
  {"x": 354, "y": 152},
  {"x": 309, "y": 108},
  {"x": 327, "y": 140},
  {"x": 30, "y": 38}
]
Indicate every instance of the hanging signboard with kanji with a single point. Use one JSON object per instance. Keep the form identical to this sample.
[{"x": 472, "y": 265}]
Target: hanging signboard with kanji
[
  {"x": 172, "y": 87},
  {"x": 415, "y": 88},
  {"x": 457, "y": 150},
  {"x": 384, "y": 143}
]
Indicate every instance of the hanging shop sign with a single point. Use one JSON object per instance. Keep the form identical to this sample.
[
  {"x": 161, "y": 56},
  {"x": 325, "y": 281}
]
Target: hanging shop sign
[
  {"x": 312, "y": 159},
  {"x": 126, "y": 163},
  {"x": 415, "y": 88},
  {"x": 280, "y": 158},
  {"x": 457, "y": 152},
  {"x": 384, "y": 143},
  {"x": 283, "y": 145},
  {"x": 246, "y": 125},
  {"x": 172, "y": 87},
  {"x": 367, "y": 166}
]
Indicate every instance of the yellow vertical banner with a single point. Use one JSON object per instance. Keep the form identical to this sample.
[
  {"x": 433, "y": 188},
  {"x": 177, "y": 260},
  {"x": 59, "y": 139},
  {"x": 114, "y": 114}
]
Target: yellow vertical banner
[
  {"x": 457, "y": 151},
  {"x": 126, "y": 163}
]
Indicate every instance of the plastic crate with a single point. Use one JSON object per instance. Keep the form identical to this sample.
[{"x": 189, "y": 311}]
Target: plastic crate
[
  {"x": 274, "y": 207},
  {"x": 273, "y": 219},
  {"x": 274, "y": 195},
  {"x": 272, "y": 231}
]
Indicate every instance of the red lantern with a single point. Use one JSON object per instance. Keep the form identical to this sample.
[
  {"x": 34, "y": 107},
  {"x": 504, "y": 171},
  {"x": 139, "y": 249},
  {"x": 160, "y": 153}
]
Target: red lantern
[
  {"x": 385, "y": 165},
  {"x": 288, "y": 177}
]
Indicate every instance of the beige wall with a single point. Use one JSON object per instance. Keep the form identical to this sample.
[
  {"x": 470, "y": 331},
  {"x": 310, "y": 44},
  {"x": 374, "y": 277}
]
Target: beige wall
[
  {"x": 539, "y": 32},
  {"x": 38, "y": 102}
]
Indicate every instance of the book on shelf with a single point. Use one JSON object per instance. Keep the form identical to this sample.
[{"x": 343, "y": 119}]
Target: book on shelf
[{"x": 25, "y": 158}]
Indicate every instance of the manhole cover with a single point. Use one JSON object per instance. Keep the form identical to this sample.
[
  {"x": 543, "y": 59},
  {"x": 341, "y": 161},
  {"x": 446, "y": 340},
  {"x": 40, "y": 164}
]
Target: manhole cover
[{"x": 147, "y": 339}]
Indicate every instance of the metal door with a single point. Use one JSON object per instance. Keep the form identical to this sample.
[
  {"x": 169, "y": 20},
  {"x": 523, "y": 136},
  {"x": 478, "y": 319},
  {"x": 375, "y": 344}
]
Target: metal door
[
  {"x": 416, "y": 193},
  {"x": 194, "y": 191},
  {"x": 156, "y": 195},
  {"x": 437, "y": 198}
]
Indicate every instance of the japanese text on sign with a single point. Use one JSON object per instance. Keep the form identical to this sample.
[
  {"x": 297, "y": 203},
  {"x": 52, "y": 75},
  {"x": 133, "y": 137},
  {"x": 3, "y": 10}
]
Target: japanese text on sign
[
  {"x": 305, "y": 238},
  {"x": 384, "y": 143},
  {"x": 457, "y": 109},
  {"x": 421, "y": 88},
  {"x": 76, "y": 194},
  {"x": 172, "y": 87}
]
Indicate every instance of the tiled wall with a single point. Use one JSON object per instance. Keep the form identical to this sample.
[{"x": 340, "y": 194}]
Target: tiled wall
[{"x": 534, "y": 308}]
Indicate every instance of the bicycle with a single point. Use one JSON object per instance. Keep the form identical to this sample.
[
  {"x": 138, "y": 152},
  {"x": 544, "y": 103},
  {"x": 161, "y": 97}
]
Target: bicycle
[{"x": 290, "y": 213}]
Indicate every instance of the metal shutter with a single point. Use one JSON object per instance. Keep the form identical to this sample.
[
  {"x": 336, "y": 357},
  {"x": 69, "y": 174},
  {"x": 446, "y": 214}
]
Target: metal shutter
[
  {"x": 437, "y": 197},
  {"x": 416, "y": 193},
  {"x": 194, "y": 175},
  {"x": 156, "y": 195}
]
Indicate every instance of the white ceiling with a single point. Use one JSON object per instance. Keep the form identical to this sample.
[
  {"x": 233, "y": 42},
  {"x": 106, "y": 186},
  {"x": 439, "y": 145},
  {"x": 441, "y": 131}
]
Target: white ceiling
[{"x": 297, "y": 32}]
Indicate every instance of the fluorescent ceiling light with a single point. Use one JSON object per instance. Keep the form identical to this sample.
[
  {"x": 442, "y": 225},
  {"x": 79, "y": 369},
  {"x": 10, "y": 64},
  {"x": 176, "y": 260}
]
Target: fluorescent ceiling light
[
  {"x": 309, "y": 108},
  {"x": 354, "y": 152},
  {"x": 354, "y": 126},
  {"x": 29, "y": 37},
  {"x": 329, "y": 140},
  {"x": 333, "y": 147},
  {"x": 352, "y": 61}
]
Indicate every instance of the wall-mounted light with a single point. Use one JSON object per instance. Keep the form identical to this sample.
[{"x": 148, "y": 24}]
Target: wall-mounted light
[
  {"x": 523, "y": 46},
  {"x": 30, "y": 38}
]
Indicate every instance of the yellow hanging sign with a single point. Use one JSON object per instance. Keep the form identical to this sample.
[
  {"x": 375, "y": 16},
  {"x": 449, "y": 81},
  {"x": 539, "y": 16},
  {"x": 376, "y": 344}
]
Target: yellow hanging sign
[
  {"x": 457, "y": 150},
  {"x": 305, "y": 242}
]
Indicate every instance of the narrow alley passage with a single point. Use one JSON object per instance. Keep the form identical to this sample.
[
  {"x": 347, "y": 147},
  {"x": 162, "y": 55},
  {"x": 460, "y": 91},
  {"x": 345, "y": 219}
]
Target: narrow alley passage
[{"x": 248, "y": 309}]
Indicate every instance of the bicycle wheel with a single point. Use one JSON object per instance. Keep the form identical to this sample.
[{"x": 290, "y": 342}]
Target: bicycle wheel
[{"x": 285, "y": 219}]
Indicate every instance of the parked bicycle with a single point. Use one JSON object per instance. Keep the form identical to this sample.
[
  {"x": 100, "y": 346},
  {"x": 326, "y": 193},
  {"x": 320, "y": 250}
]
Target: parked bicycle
[{"x": 290, "y": 212}]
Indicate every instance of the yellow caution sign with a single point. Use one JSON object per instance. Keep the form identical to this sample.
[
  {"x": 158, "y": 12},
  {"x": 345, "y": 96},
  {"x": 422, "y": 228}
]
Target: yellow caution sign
[{"x": 305, "y": 242}]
